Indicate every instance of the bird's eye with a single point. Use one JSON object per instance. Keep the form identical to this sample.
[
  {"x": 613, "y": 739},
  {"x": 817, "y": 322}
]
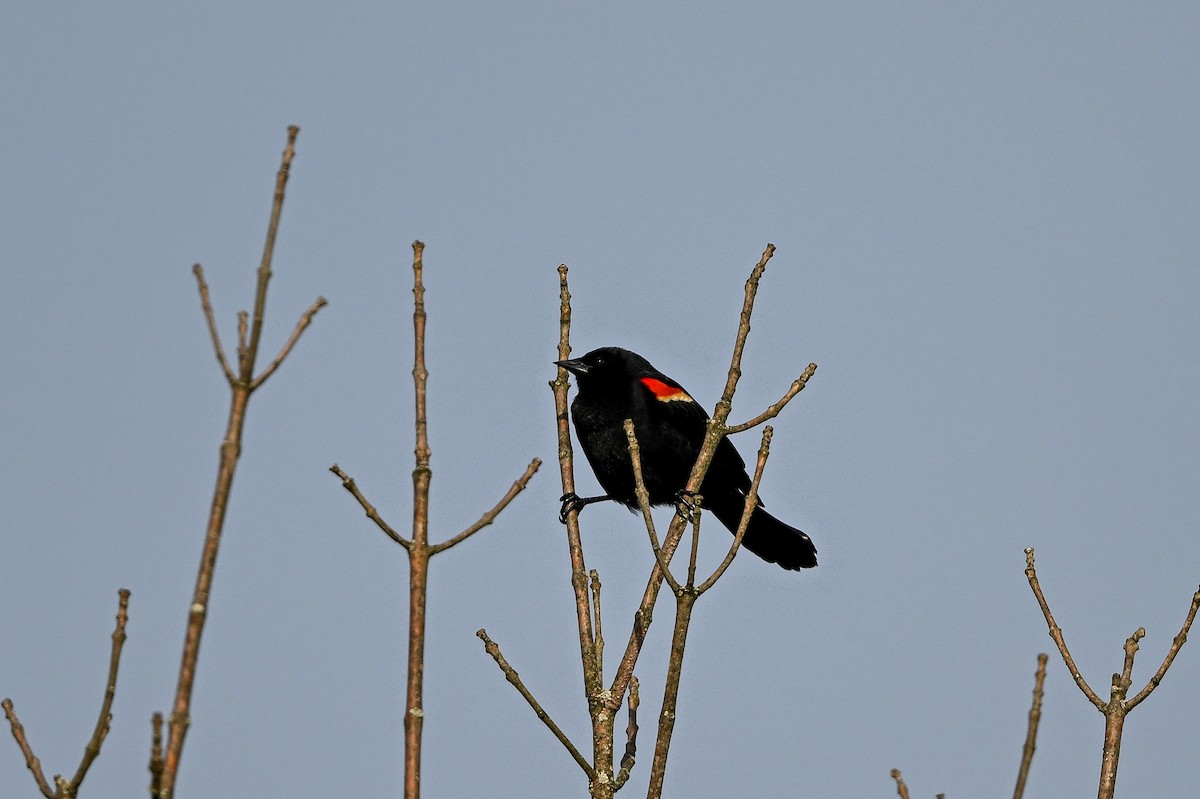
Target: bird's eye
[{"x": 599, "y": 361}]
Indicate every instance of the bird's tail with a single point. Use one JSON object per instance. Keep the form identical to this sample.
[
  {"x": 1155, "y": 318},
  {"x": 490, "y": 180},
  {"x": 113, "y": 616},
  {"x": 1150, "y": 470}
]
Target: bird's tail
[{"x": 766, "y": 536}]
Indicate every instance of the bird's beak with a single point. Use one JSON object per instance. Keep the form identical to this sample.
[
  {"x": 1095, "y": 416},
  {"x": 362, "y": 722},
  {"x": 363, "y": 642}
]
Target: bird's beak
[{"x": 574, "y": 366}]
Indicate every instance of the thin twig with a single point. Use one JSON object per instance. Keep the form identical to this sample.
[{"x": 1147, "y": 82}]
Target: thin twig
[
  {"x": 92, "y": 750},
  {"x": 643, "y": 498},
  {"x": 1057, "y": 634},
  {"x": 764, "y": 451},
  {"x": 489, "y": 517},
  {"x": 372, "y": 513},
  {"x": 64, "y": 787},
  {"x": 305, "y": 320},
  {"x": 901, "y": 788},
  {"x": 156, "y": 754},
  {"x": 1035, "y": 716},
  {"x": 1176, "y": 644},
  {"x": 775, "y": 408},
  {"x": 264, "y": 268},
  {"x": 598, "y": 625},
  {"x": 511, "y": 675},
  {"x": 206, "y": 305},
  {"x": 695, "y": 512},
  {"x": 243, "y": 328},
  {"x": 31, "y": 762},
  {"x": 629, "y": 759}
]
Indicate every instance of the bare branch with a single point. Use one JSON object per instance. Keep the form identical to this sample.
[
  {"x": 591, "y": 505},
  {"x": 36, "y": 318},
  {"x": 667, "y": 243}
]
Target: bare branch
[
  {"x": 243, "y": 328},
  {"x": 775, "y": 408},
  {"x": 92, "y": 750},
  {"x": 179, "y": 719},
  {"x": 264, "y": 269},
  {"x": 372, "y": 514},
  {"x": 1057, "y": 634},
  {"x": 156, "y": 754},
  {"x": 64, "y": 787},
  {"x": 694, "y": 514},
  {"x": 764, "y": 451},
  {"x": 715, "y": 432},
  {"x": 901, "y": 788},
  {"x": 631, "y": 730},
  {"x": 490, "y": 516},
  {"x": 305, "y": 320},
  {"x": 206, "y": 305},
  {"x": 31, "y": 762},
  {"x": 1131, "y": 648},
  {"x": 418, "y": 553},
  {"x": 1176, "y": 644},
  {"x": 511, "y": 675},
  {"x": 1035, "y": 716},
  {"x": 594, "y": 579},
  {"x": 643, "y": 498},
  {"x": 592, "y": 679}
]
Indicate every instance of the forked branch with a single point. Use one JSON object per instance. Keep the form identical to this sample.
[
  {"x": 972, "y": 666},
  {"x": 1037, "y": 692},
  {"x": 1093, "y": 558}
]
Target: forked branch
[
  {"x": 418, "y": 547},
  {"x": 64, "y": 788},
  {"x": 1117, "y": 707},
  {"x": 244, "y": 383}
]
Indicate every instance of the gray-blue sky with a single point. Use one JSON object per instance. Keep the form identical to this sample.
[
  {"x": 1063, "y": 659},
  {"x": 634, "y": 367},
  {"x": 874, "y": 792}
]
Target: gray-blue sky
[{"x": 986, "y": 221}]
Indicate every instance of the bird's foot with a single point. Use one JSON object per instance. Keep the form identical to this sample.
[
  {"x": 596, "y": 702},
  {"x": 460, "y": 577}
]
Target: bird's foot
[
  {"x": 687, "y": 503},
  {"x": 570, "y": 502}
]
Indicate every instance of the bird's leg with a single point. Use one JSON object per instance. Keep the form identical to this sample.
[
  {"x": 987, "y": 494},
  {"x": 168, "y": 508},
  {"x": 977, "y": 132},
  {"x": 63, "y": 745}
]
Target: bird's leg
[{"x": 573, "y": 502}]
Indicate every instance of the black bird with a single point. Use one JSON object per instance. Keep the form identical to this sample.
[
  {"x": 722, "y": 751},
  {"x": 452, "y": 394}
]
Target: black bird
[{"x": 615, "y": 385}]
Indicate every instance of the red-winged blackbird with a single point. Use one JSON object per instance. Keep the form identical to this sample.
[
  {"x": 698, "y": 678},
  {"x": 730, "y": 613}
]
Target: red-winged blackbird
[{"x": 615, "y": 385}]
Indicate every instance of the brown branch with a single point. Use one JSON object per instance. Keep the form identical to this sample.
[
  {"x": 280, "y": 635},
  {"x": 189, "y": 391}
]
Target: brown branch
[
  {"x": 685, "y": 602},
  {"x": 1057, "y": 634},
  {"x": 264, "y": 269},
  {"x": 206, "y": 305},
  {"x": 180, "y": 718},
  {"x": 1114, "y": 725},
  {"x": 372, "y": 513},
  {"x": 695, "y": 511},
  {"x": 643, "y": 498},
  {"x": 716, "y": 429},
  {"x": 418, "y": 553},
  {"x": 602, "y": 731},
  {"x": 91, "y": 751},
  {"x": 243, "y": 327},
  {"x": 1176, "y": 644},
  {"x": 305, "y": 320},
  {"x": 594, "y": 580},
  {"x": 511, "y": 675},
  {"x": 901, "y": 788},
  {"x": 1035, "y": 716},
  {"x": 1116, "y": 708},
  {"x": 629, "y": 759},
  {"x": 31, "y": 762},
  {"x": 156, "y": 754},
  {"x": 775, "y": 408},
  {"x": 490, "y": 516},
  {"x": 764, "y": 451},
  {"x": 418, "y": 546}
]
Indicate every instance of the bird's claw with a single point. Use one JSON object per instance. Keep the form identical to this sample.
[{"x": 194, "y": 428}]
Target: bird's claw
[
  {"x": 687, "y": 503},
  {"x": 570, "y": 501}
]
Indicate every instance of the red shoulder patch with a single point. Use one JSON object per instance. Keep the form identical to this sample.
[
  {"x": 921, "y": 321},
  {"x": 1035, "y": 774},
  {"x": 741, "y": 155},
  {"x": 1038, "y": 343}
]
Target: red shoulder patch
[{"x": 664, "y": 392}]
